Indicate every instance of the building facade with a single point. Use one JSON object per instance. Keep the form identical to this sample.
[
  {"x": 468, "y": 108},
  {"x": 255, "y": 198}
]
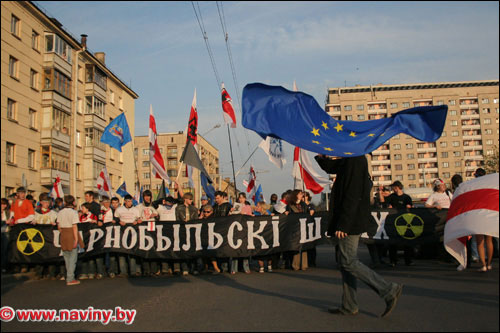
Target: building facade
[
  {"x": 470, "y": 135},
  {"x": 57, "y": 98},
  {"x": 171, "y": 147}
]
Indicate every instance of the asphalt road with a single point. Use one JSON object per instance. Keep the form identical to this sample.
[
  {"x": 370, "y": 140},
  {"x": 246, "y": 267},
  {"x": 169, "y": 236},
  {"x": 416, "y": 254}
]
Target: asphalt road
[{"x": 435, "y": 298}]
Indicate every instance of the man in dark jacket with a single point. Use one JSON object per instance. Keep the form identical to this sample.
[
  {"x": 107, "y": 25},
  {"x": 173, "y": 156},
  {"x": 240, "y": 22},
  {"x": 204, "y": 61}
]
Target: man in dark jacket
[{"x": 350, "y": 209}]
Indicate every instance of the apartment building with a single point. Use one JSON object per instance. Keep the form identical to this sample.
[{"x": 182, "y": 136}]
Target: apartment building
[
  {"x": 57, "y": 98},
  {"x": 471, "y": 131},
  {"x": 171, "y": 147}
]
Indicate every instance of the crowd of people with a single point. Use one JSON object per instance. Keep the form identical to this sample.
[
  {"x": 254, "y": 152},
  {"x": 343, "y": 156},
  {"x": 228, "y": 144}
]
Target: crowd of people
[
  {"x": 179, "y": 207},
  {"x": 20, "y": 208}
]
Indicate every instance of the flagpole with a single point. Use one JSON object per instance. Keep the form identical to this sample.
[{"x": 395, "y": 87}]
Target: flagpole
[{"x": 232, "y": 160}]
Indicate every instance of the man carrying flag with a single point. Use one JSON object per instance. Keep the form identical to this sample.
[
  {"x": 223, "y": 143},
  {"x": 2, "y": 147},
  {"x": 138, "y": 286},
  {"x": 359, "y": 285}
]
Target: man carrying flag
[
  {"x": 117, "y": 133},
  {"x": 155, "y": 157}
]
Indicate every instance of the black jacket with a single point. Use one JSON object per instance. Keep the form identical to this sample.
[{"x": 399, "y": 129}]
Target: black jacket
[
  {"x": 222, "y": 210},
  {"x": 350, "y": 204}
]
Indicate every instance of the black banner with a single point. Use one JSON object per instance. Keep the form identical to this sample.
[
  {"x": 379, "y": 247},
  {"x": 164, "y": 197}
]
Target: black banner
[{"x": 222, "y": 237}]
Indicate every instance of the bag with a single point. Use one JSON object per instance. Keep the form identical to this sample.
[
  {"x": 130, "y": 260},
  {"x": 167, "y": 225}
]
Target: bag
[{"x": 67, "y": 240}]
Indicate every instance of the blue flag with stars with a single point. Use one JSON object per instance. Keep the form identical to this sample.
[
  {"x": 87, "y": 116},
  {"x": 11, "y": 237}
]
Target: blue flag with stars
[
  {"x": 297, "y": 118},
  {"x": 117, "y": 133}
]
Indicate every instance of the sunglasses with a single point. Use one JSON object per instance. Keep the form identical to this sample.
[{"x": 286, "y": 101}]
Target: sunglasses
[{"x": 207, "y": 211}]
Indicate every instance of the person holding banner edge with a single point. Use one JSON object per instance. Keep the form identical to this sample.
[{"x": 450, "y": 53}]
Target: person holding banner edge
[{"x": 350, "y": 209}]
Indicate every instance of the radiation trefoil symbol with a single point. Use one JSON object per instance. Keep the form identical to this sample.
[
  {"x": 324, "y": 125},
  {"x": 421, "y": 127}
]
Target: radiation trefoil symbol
[
  {"x": 30, "y": 241},
  {"x": 409, "y": 226}
]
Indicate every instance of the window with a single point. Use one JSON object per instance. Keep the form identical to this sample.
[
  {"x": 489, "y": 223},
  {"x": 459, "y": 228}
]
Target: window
[
  {"x": 490, "y": 152},
  {"x": 453, "y": 112},
  {"x": 11, "y": 153},
  {"x": 454, "y": 123},
  {"x": 120, "y": 103},
  {"x": 458, "y": 164},
  {"x": 33, "y": 119},
  {"x": 457, "y": 154},
  {"x": 361, "y": 117},
  {"x": 172, "y": 162},
  {"x": 443, "y": 144},
  {"x": 396, "y": 146},
  {"x": 145, "y": 152},
  {"x": 33, "y": 79},
  {"x": 78, "y": 171},
  {"x": 487, "y": 121},
  {"x": 60, "y": 121},
  {"x": 336, "y": 108},
  {"x": 410, "y": 156},
  {"x": 13, "y": 67},
  {"x": 146, "y": 175},
  {"x": 443, "y": 134},
  {"x": 79, "y": 105},
  {"x": 81, "y": 73},
  {"x": 112, "y": 97},
  {"x": 93, "y": 138},
  {"x": 444, "y": 154},
  {"x": 54, "y": 43},
  {"x": 452, "y": 102},
  {"x": 406, "y": 104},
  {"x": 55, "y": 80},
  {"x": 399, "y": 167},
  {"x": 495, "y": 100},
  {"x": 14, "y": 26},
  {"x": 348, "y": 117},
  {"x": 94, "y": 105},
  {"x": 421, "y": 155},
  {"x": 172, "y": 173},
  {"x": 11, "y": 109},
  {"x": 397, "y": 156},
  {"x": 399, "y": 177},
  {"x": 35, "y": 40},
  {"x": 446, "y": 164},
  {"x": 456, "y": 144},
  {"x": 31, "y": 159},
  {"x": 409, "y": 146},
  {"x": 78, "y": 138},
  {"x": 95, "y": 75},
  {"x": 394, "y": 105},
  {"x": 489, "y": 142},
  {"x": 486, "y": 110},
  {"x": 360, "y": 107},
  {"x": 411, "y": 177},
  {"x": 488, "y": 131},
  {"x": 146, "y": 187},
  {"x": 97, "y": 168},
  {"x": 55, "y": 158},
  {"x": 454, "y": 133},
  {"x": 347, "y": 107},
  {"x": 485, "y": 101},
  {"x": 145, "y": 164}
]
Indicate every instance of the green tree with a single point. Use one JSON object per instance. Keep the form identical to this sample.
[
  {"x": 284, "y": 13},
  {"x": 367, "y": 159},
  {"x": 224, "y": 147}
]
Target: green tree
[{"x": 491, "y": 162}]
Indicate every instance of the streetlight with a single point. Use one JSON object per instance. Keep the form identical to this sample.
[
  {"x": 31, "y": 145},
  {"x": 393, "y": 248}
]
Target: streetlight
[{"x": 216, "y": 126}]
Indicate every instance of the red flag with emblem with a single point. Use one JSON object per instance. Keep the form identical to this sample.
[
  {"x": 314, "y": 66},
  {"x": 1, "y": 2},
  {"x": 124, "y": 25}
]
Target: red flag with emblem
[{"x": 227, "y": 107}]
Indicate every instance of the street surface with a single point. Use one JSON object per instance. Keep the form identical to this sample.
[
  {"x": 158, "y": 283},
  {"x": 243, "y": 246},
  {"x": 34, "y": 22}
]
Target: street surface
[{"x": 435, "y": 298}]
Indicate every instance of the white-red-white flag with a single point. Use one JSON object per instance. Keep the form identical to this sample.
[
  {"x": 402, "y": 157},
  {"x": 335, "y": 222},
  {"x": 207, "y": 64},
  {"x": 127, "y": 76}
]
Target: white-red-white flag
[
  {"x": 103, "y": 183},
  {"x": 304, "y": 174},
  {"x": 155, "y": 158},
  {"x": 227, "y": 107},
  {"x": 473, "y": 211},
  {"x": 251, "y": 180},
  {"x": 57, "y": 191}
]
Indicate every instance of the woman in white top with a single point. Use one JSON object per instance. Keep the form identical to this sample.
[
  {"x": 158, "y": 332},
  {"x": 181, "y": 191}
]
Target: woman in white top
[{"x": 441, "y": 198}]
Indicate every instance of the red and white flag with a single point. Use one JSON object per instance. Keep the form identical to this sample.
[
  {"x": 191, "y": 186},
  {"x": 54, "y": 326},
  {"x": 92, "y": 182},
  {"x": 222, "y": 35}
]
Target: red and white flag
[
  {"x": 57, "y": 191},
  {"x": 251, "y": 180},
  {"x": 227, "y": 107},
  {"x": 155, "y": 157},
  {"x": 305, "y": 176},
  {"x": 192, "y": 135},
  {"x": 473, "y": 211},
  {"x": 103, "y": 183}
]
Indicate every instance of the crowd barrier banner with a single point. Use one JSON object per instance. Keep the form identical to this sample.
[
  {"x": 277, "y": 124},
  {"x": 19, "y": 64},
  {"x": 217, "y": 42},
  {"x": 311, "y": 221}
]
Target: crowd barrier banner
[{"x": 220, "y": 237}]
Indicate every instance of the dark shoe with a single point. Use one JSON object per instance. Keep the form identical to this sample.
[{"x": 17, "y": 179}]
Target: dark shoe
[
  {"x": 391, "y": 304},
  {"x": 339, "y": 311}
]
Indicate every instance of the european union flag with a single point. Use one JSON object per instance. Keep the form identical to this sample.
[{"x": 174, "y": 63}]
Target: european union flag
[
  {"x": 117, "y": 133},
  {"x": 207, "y": 187},
  {"x": 297, "y": 118}
]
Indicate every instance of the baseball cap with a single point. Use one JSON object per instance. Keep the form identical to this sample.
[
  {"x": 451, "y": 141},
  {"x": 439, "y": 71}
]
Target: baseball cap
[{"x": 438, "y": 182}]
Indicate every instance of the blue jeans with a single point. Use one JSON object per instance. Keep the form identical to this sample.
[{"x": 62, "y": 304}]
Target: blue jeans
[
  {"x": 352, "y": 269},
  {"x": 234, "y": 265},
  {"x": 70, "y": 258}
]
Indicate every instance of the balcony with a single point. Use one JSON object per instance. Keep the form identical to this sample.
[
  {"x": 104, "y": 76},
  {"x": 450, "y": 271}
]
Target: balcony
[
  {"x": 377, "y": 111},
  {"x": 426, "y": 150},
  {"x": 92, "y": 120},
  {"x": 51, "y": 98},
  {"x": 473, "y": 147},
  {"x": 381, "y": 162},
  {"x": 54, "y": 60},
  {"x": 381, "y": 173},
  {"x": 95, "y": 153},
  {"x": 54, "y": 137},
  {"x": 471, "y": 167},
  {"x": 471, "y": 127},
  {"x": 47, "y": 177},
  {"x": 474, "y": 158},
  {"x": 382, "y": 182},
  {"x": 381, "y": 152},
  {"x": 472, "y": 137},
  {"x": 92, "y": 88},
  {"x": 334, "y": 113},
  {"x": 428, "y": 170},
  {"x": 428, "y": 160},
  {"x": 469, "y": 116},
  {"x": 469, "y": 106}
]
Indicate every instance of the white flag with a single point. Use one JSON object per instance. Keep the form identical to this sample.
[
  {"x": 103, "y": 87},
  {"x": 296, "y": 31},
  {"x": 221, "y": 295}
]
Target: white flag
[{"x": 274, "y": 150}]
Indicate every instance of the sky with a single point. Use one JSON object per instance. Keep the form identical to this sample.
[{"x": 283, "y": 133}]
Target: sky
[{"x": 158, "y": 49}]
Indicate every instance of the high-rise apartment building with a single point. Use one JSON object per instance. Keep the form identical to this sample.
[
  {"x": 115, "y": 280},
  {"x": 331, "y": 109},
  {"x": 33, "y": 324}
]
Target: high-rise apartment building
[
  {"x": 470, "y": 134},
  {"x": 171, "y": 147},
  {"x": 57, "y": 98}
]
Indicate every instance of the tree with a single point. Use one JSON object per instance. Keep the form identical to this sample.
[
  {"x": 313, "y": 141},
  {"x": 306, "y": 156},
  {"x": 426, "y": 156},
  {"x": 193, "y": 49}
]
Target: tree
[{"x": 491, "y": 161}]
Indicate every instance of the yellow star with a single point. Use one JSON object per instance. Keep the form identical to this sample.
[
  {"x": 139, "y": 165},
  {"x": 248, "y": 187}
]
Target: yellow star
[
  {"x": 315, "y": 131},
  {"x": 338, "y": 127},
  {"x": 353, "y": 134},
  {"x": 316, "y": 142},
  {"x": 348, "y": 153},
  {"x": 371, "y": 134},
  {"x": 325, "y": 125},
  {"x": 382, "y": 134},
  {"x": 329, "y": 149}
]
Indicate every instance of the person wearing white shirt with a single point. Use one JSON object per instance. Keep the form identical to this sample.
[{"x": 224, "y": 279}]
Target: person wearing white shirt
[
  {"x": 441, "y": 198},
  {"x": 128, "y": 214}
]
